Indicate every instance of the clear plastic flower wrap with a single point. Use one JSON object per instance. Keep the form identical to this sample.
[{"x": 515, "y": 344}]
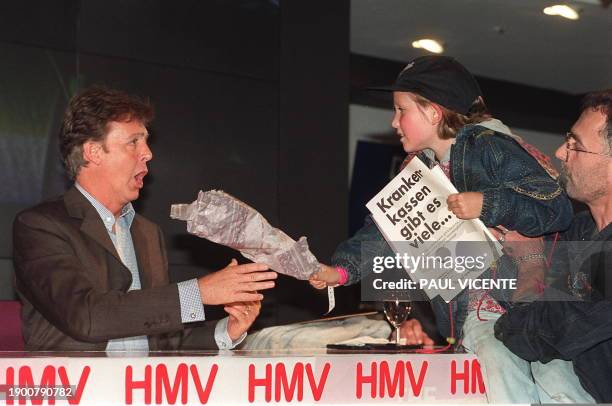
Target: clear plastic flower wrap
[{"x": 223, "y": 219}]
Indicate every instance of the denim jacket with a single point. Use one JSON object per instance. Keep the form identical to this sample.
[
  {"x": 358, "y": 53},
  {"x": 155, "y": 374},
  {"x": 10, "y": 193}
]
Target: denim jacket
[{"x": 518, "y": 192}]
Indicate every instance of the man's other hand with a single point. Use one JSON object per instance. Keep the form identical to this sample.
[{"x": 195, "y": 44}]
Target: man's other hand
[
  {"x": 412, "y": 332},
  {"x": 241, "y": 317},
  {"x": 236, "y": 283}
]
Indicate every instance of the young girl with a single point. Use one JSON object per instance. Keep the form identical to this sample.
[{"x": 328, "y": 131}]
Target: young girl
[{"x": 441, "y": 118}]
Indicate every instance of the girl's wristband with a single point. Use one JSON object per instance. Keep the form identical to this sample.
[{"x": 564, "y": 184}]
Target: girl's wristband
[{"x": 342, "y": 275}]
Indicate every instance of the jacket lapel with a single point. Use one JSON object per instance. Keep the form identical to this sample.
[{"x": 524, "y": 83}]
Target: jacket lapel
[{"x": 92, "y": 226}]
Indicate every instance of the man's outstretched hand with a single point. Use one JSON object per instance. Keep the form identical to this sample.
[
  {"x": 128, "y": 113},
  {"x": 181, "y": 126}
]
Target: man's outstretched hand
[{"x": 236, "y": 283}]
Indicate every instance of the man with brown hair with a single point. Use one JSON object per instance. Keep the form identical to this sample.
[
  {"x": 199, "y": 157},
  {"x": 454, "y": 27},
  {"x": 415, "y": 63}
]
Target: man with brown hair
[
  {"x": 92, "y": 274},
  {"x": 573, "y": 319}
]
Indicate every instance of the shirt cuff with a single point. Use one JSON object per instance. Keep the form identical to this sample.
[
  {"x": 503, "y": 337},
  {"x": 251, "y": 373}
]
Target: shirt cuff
[
  {"x": 222, "y": 338},
  {"x": 192, "y": 308}
]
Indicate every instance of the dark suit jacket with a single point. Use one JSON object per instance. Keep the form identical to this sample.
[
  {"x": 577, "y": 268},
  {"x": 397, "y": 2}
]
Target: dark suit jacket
[{"x": 73, "y": 285}]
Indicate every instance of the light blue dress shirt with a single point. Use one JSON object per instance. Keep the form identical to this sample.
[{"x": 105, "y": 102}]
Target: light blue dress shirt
[{"x": 192, "y": 309}]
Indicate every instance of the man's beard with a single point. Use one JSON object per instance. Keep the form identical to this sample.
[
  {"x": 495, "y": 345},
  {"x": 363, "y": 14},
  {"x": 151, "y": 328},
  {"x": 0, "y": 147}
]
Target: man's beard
[
  {"x": 564, "y": 179},
  {"x": 591, "y": 188}
]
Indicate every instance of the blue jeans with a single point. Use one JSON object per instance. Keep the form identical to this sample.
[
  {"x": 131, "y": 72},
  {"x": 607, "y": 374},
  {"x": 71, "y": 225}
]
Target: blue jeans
[{"x": 510, "y": 379}]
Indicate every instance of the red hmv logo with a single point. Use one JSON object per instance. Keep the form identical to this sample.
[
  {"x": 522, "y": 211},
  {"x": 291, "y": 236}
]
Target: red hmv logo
[
  {"x": 167, "y": 392},
  {"x": 51, "y": 378}
]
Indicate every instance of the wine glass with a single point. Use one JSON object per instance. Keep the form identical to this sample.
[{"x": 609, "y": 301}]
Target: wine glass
[{"x": 396, "y": 312}]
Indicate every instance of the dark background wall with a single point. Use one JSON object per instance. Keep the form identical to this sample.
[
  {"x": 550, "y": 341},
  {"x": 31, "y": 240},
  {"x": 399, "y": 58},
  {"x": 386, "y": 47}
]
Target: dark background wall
[{"x": 251, "y": 97}]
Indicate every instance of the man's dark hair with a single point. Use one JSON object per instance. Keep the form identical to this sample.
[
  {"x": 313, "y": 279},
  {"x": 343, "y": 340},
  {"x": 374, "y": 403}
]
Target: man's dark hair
[
  {"x": 601, "y": 101},
  {"x": 87, "y": 118}
]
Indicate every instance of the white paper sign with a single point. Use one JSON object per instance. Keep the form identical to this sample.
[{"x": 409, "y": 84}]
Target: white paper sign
[{"x": 412, "y": 214}]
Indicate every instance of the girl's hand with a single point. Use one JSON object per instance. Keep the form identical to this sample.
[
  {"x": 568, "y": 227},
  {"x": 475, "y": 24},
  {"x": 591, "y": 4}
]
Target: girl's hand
[
  {"x": 466, "y": 205},
  {"x": 327, "y": 276}
]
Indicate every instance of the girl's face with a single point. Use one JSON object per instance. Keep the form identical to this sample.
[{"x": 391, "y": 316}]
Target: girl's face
[{"x": 415, "y": 124}]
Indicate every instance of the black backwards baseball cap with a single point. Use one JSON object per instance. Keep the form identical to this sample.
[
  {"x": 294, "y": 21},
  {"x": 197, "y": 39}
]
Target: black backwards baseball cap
[{"x": 440, "y": 79}]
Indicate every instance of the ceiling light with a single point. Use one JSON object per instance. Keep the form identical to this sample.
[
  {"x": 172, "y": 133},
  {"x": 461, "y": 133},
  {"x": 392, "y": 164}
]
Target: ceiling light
[
  {"x": 562, "y": 11},
  {"x": 430, "y": 45}
]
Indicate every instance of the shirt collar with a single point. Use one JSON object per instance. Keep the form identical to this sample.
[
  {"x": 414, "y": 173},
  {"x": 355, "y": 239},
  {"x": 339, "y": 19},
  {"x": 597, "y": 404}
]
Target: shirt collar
[
  {"x": 447, "y": 155},
  {"x": 429, "y": 153},
  {"x": 127, "y": 212}
]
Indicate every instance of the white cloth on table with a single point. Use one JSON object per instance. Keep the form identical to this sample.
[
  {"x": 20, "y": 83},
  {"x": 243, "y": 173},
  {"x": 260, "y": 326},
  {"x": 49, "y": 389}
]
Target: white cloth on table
[{"x": 316, "y": 335}]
